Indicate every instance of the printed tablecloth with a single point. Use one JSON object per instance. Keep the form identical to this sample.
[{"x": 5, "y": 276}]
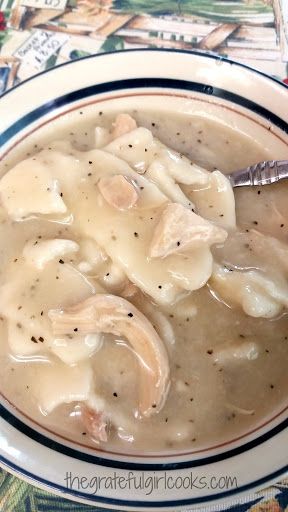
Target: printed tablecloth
[{"x": 38, "y": 34}]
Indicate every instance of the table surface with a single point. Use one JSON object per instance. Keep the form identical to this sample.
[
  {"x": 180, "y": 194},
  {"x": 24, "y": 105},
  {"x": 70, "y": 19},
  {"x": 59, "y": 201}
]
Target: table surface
[{"x": 254, "y": 32}]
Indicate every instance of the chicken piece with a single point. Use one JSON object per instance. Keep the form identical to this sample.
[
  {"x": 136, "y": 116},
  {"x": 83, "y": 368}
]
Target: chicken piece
[
  {"x": 111, "y": 314},
  {"x": 118, "y": 191},
  {"x": 180, "y": 230},
  {"x": 239, "y": 410},
  {"x": 259, "y": 295},
  {"x": 95, "y": 422},
  {"x": 28, "y": 188},
  {"x": 130, "y": 290},
  {"x": 215, "y": 201},
  {"x": 158, "y": 319},
  {"x": 232, "y": 352},
  {"x": 39, "y": 253},
  {"x": 123, "y": 124}
]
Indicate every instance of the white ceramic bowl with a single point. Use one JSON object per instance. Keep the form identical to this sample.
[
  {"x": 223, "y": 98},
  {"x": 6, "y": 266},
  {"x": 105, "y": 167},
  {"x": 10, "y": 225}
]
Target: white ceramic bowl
[{"x": 193, "y": 83}]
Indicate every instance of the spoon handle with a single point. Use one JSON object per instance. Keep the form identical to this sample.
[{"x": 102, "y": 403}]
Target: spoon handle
[{"x": 263, "y": 173}]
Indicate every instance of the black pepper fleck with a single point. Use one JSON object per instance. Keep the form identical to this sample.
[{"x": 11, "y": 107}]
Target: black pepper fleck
[
  {"x": 130, "y": 315},
  {"x": 61, "y": 261}
]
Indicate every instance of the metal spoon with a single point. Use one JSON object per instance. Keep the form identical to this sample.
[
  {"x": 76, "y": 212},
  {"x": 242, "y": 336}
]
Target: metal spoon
[{"x": 263, "y": 173}]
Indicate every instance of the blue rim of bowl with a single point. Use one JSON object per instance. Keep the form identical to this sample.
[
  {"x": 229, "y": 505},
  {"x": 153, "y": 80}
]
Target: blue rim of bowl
[
  {"x": 197, "y": 53},
  {"x": 28, "y": 431}
]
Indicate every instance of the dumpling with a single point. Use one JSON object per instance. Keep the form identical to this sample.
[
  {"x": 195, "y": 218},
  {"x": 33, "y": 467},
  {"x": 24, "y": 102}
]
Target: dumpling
[
  {"x": 191, "y": 272},
  {"x": 235, "y": 352},
  {"x": 215, "y": 200},
  {"x": 102, "y": 137},
  {"x": 258, "y": 294},
  {"x": 157, "y": 173},
  {"x": 136, "y": 147},
  {"x": 29, "y": 188},
  {"x": 28, "y": 294},
  {"x": 39, "y": 253},
  {"x": 72, "y": 351},
  {"x": 63, "y": 384}
]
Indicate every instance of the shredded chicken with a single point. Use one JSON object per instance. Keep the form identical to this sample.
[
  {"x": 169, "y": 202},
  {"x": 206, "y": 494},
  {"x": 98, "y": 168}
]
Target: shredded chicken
[
  {"x": 111, "y": 314},
  {"x": 118, "y": 191},
  {"x": 180, "y": 229},
  {"x": 239, "y": 410},
  {"x": 95, "y": 422}
]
